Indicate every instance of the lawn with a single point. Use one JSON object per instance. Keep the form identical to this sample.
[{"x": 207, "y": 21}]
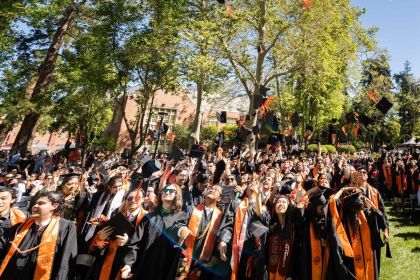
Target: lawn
[{"x": 405, "y": 248}]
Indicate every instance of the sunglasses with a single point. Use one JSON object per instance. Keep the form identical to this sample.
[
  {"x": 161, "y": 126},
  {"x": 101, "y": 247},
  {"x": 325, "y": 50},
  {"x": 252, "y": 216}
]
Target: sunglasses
[
  {"x": 169, "y": 191},
  {"x": 131, "y": 198},
  {"x": 363, "y": 172}
]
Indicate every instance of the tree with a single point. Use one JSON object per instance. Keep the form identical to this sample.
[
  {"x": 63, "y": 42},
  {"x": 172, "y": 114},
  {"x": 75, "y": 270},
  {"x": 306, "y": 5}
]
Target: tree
[
  {"x": 408, "y": 102},
  {"x": 140, "y": 41},
  {"x": 200, "y": 61},
  {"x": 39, "y": 84},
  {"x": 376, "y": 78},
  {"x": 84, "y": 78},
  {"x": 305, "y": 51}
]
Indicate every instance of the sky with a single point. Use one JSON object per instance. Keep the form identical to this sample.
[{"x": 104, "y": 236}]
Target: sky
[{"x": 399, "y": 29}]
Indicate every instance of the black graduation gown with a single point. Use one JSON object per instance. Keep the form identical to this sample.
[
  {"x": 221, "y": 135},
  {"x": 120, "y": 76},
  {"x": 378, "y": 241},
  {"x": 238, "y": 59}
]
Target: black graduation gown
[
  {"x": 152, "y": 253},
  {"x": 291, "y": 230},
  {"x": 250, "y": 247},
  {"x": 100, "y": 255},
  {"x": 376, "y": 222},
  {"x": 5, "y": 228},
  {"x": 22, "y": 266},
  {"x": 87, "y": 230},
  {"x": 212, "y": 269},
  {"x": 335, "y": 267}
]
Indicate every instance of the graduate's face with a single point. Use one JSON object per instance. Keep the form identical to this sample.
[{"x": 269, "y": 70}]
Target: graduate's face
[
  {"x": 134, "y": 200},
  {"x": 213, "y": 192},
  {"x": 211, "y": 167},
  {"x": 116, "y": 187},
  {"x": 70, "y": 186},
  {"x": 182, "y": 178},
  {"x": 281, "y": 205},
  {"x": 6, "y": 201},
  {"x": 169, "y": 193},
  {"x": 43, "y": 208},
  {"x": 323, "y": 181}
]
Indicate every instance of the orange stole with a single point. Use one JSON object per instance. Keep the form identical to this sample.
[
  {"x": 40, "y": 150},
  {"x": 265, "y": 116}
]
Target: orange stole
[
  {"x": 46, "y": 250},
  {"x": 401, "y": 182},
  {"x": 236, "y": 244},
  {"x": 193, "y": 225},
  {"x": 341, "y": 233},
  {"x": 16, "y": 216},
  {"x": 363, "y": 253},
  {"x": 373, "y": 195},
  {"x": 319, "y": 262},
  {"x": 387, "y": 175},
  {"x": 112, "y": 251}
]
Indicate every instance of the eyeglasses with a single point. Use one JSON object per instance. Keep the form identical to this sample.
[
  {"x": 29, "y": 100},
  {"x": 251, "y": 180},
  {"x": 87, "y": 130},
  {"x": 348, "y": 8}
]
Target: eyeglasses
[
  {"x": 169, "y": 191},
  {"x": 363, "y": 172}
]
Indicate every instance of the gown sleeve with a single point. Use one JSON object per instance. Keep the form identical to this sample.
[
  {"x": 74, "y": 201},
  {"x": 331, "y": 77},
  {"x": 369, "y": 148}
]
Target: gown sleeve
[
  {"x": 68, "y": 249},
  {"x": 133, "y": 247},
  {"x": 226, "y": 226}
]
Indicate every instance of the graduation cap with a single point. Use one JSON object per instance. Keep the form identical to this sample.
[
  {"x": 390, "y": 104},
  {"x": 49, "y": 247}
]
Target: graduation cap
[
  {"x": 164, "y": 128},
  {"x": 259, "y": 101},
  {"x": 176, "y": 154},
  {"x": 353, "y": 201},
  {"x": 309, "y": 128},
  {"x": 221, "y": 1},
  {"x": 365, "y": 120},
  {"x": 257, "y": 229},
  {"x": 384, "y": 105},
  {"x": 351, "y": 117},
  {"x": 296, "y": 117},
  {"x": 263, "y": 90},
  {"x": 318, "y": 198},
  {"x": 242, "y": 133},
  {"x": 276, "y": 123},
  {"x": 70, "y": 175},
  {"x": 275, "y": 139},
  {"x": 221, "y": 117},
  {"x": 150, "y": 167},
  {"x": 119, "y": 224},
  {"x": 195, "y": 151}
]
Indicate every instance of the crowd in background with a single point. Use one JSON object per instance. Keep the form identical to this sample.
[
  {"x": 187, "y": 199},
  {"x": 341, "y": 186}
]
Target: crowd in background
[{"x": 222, "y": 214}]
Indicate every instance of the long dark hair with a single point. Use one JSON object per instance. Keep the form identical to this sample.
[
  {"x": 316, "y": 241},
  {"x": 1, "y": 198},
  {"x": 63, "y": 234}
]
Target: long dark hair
[{"x": 176, "y": 205}]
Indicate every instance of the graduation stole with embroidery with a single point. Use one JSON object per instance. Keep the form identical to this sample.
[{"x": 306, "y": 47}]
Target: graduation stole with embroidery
[
  {"x": 16, "y": 216},
  {"x": 341, "y": 235},
  {"x": 319, "y": 262},
  {"x": 210, "y": 239},
  {"x": 279, "y": 254},
  {"x": 112, "y": 251},
  {"x": 362, "y": 248},
  {"x": 238, "y": 237},
  {"x": 46, "y": 248}
]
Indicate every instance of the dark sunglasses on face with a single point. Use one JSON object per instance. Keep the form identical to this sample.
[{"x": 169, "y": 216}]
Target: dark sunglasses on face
[
  {"x": 363, "y": 172},
  {"x": 169, "y": 191},
  {"x": 131, "y": 198}
]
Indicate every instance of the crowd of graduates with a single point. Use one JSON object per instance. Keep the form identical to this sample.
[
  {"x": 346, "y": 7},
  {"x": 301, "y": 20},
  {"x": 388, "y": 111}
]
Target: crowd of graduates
[{"x": 222, "y": 214}]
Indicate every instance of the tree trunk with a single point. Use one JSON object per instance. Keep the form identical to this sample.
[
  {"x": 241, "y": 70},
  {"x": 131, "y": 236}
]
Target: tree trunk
[
  {"x": 197, "y": 118},
  {"x": 27, "y": 129},
  {"x": 4, "y": 130},
  {"x": 24, "y": 138}
]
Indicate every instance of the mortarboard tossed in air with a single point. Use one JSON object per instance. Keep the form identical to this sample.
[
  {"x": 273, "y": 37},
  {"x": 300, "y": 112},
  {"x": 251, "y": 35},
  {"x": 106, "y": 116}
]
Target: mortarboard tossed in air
[
  {"x": 195, "y": 151},
  {"x": 318, "y": 198},
  {"x": 221, "y": 117},
  {"x": 176, "y": 154},
  {"x": 259, "y": 101},
  {"x": 384, "y": 105},
  {"x": 150, "y": 167},
  {"x": 164, "y": 128},
  {"x": 365, "y": 120},
  {"x": 296, "y": 117},
  {"x": 263, "y": 90}
]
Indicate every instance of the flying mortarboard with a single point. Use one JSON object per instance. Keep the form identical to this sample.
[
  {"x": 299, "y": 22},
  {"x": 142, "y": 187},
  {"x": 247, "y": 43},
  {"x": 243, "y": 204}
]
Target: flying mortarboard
[
  {"x": 263, "y": 90},
  {"x": 195, "y": 151},
  {"x": 259, "y": 101},
  {"x": 318, "y": 198},
  {"x": 309, "y": 128},
  {"x": 176, "y": 154},
  {"x": 296, "y": 117},
  {"x": 221, "y": 117},
  {"x": 365, "y": 120},
  {"x": 164, "y": 128},
  {"x": 384, "y": 105},
  {"x": 150, "y": 167},
  {"x": 120, "y": 225}
]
